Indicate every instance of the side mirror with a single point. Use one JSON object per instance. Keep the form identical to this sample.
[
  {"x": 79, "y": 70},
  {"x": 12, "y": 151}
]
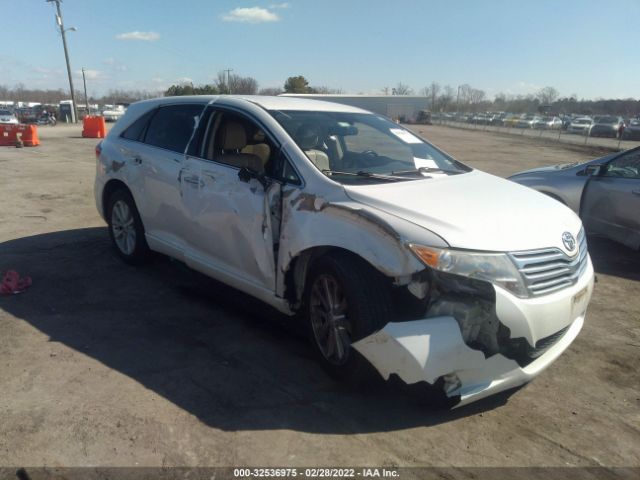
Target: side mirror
[
  {"x": 245, "y": 174},
  {"x": 593, "y": 170}
]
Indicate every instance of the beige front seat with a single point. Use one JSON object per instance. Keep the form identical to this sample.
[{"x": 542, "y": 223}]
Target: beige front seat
[
  {"x": 233, "y": 138},
  {"x": 259, "y": 148},
  {"x": 308, "y": 138}
]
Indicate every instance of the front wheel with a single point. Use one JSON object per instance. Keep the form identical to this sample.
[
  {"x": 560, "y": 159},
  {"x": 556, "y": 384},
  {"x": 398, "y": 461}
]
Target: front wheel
[
  {"x": 125, "y": 228},
  {"x": 346, "y": 300}
]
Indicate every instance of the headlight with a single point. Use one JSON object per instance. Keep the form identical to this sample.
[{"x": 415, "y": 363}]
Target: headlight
[{"x": 495, "y": 268}]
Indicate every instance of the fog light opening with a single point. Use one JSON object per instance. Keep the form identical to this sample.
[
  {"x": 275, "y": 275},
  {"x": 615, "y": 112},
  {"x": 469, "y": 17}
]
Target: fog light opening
[{"x": 451, "y": 383}]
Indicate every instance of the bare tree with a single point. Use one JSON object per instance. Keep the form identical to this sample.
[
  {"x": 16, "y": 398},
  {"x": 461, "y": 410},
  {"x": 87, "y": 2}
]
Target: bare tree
[
  {"x": 326, "y": 90},
  {"x": 244, "y": 85},
  {"x": 476, "y": 96},
  {"x": 270, "y": 91},
  {"x": 233, "y": 83},
  {"x": 401, "y": 89},
  {"x": 432, "y": 91},
  {"x": 548, "y": 95},
  {"x": 446, "y": 99}
]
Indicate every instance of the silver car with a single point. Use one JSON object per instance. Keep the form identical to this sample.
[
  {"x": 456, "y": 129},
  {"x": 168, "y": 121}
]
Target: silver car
[
  {"x": 6, "y": 117},
  {"x": 632, "y": 131},
  {"x": 605, "y": 192},
  {"x": 606, "y": 126},
  {"x": 580, "y": 125}
]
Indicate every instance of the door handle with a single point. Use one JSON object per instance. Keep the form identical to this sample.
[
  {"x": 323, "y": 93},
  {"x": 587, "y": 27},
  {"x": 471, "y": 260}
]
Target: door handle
[
  {"x": 136, "y": 159},
  {"x": 209, "y": 174},
  {"x": 193, "y": 181}
]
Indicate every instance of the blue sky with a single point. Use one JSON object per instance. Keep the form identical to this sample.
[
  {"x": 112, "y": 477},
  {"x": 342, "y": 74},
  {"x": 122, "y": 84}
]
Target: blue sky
[{"x": 583, "y": 47}]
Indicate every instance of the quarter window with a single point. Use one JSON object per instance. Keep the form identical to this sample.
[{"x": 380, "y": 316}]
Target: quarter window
[
  {"x": 172, "y": 126},
  {"x": 136, "y": 129}
]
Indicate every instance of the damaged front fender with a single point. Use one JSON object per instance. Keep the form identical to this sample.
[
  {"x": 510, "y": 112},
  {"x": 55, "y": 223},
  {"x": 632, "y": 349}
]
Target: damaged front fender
[{"x": 310, "y": 221}]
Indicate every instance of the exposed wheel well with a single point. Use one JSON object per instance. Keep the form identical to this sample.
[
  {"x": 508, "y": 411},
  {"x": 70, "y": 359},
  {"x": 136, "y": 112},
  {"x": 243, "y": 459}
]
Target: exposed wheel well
[
  {"x": 109, "y": 189},
  {"x": 296, "y": 274}
]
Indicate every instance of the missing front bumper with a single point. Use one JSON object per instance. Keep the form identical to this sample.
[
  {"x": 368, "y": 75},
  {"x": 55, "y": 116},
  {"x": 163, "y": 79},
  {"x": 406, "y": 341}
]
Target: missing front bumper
[{"x": 432, "y": 350}]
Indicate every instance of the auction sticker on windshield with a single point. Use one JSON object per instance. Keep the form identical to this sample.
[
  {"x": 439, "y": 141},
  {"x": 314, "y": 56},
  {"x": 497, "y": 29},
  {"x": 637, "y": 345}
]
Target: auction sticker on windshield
[
  {"x": 424, "y": 162},
  {"x": 405, "y": 136}
]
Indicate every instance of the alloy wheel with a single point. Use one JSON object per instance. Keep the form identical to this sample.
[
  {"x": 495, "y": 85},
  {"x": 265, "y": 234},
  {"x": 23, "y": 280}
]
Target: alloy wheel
[
  {"x": 329, "y": 321},
  {"x": 123, "y": 227}
]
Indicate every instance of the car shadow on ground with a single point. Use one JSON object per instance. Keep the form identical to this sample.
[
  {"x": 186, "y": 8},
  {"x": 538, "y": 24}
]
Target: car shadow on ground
[
  {"x": 226, "y": 358},
  {"x": 612, "y": 258}
]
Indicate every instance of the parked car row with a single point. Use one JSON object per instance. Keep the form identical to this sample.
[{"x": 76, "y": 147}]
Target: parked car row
[
  {"x": 42, "y": 114},
  {"x": 614, "y": 126}
]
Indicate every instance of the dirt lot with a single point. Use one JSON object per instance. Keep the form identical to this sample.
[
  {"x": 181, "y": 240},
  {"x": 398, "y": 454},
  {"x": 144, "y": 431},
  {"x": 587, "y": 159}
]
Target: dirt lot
[{"x": 105, "y": 364}]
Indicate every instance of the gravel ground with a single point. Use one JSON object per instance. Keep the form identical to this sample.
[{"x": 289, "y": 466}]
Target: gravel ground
[{"x": 102, "y": 364}]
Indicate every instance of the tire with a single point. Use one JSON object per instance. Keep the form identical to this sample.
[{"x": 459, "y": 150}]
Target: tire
[
  {"x": 125, "y": 228},
  {"x": 362, "y": 306}
]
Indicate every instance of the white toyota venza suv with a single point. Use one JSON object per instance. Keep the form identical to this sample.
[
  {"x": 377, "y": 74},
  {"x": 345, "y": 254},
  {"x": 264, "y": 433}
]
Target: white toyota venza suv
[{"x": 395, "y": 254}]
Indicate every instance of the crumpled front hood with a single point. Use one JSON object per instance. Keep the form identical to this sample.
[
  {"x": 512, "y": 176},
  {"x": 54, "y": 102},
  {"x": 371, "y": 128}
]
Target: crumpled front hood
[{"x": 475, "y": 211}]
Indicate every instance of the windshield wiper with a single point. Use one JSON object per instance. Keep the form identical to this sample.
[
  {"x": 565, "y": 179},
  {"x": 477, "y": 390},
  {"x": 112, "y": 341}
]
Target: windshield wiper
[
  {"x": 375, "y": 176},
  {"x": 427, "y": 170}
]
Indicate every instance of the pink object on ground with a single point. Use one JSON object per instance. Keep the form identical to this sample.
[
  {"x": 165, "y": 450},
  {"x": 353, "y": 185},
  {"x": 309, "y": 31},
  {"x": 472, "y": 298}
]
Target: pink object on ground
[{"x": 12, "y": 283}]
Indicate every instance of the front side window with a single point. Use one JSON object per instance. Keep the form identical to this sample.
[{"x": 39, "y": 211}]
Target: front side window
[
  {"x": 172, "y": 126},
  {"x": 625, "y": 166},
  {"x": 352, "y": 147},
  {"x": 239, "y": 142}
]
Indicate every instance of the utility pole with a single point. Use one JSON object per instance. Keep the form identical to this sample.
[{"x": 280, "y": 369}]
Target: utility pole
[
  {"x": 86, "y": 98},
  {"x": 458, "y": 100},
  {"x": 229, "y": 70},
  {"x": 66, "y": 54}
]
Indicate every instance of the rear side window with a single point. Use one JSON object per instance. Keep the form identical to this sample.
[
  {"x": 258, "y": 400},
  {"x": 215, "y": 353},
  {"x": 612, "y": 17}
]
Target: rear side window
[
  {"x": 171, "y": 127},
  {"x": 136, "y": 129}
]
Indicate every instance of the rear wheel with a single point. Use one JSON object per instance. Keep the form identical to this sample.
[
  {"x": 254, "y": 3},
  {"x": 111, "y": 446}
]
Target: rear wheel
[
  {"x": 345, "y": 300},
  {"x": 125, "y": 228}
]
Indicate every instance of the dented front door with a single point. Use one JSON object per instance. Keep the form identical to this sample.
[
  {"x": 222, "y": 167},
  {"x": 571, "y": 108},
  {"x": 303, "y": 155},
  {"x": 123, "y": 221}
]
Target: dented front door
[{"x": 230, "y": 230}]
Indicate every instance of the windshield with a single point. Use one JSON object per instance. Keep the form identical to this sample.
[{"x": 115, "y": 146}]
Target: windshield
[
  {"x": 5, "y": 112},
  {"x": 607, "y": 120},
  {"x": 582, "y": 121},
  {"x": 355, "y": 147}
]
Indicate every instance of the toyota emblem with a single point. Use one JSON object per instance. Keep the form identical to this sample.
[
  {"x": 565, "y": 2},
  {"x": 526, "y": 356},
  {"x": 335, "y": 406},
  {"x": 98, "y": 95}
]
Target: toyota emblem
[{"x": 569, "y": 241}]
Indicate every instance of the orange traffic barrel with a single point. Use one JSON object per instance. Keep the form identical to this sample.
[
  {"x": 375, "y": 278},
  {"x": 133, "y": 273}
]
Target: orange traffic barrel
[
  {"x": 29, "y": 135},
  {"x": 93, "y": 126}
]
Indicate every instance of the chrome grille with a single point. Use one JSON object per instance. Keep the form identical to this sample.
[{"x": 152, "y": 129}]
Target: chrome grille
[{"x": 550, "y": 269}]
